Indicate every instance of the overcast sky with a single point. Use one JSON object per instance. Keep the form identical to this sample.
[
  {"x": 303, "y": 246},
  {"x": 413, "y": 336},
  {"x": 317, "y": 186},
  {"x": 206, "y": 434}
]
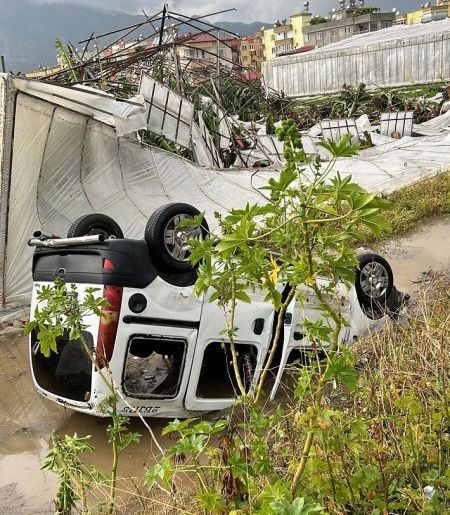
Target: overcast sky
[{"x": 248, "y": 10}]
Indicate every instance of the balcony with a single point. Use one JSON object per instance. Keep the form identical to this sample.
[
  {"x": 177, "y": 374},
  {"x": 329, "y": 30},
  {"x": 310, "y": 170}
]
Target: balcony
[
  {"x": 282, "y": 42},
  {"x": 282, "y": 28}
]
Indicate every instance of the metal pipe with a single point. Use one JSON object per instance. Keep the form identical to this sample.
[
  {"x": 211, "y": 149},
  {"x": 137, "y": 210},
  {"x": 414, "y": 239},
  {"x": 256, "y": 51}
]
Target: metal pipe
[
  {"x": 43, "y": 236},
  {"x": 67, "y": 242}
]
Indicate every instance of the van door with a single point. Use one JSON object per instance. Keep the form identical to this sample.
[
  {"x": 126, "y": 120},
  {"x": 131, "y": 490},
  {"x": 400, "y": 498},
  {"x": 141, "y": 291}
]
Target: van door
[
  {"x": 154, "y": 367},
  {"x": 212, "y": 384}
]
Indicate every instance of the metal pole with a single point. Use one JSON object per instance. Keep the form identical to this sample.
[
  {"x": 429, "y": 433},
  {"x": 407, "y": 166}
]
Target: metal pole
[{"x": 163, "y": 21}]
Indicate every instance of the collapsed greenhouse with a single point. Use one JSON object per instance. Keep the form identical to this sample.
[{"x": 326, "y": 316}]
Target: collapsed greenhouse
[
  {"x": 106, "y": 135},
  {"x": 402, "y": 54},
  {"x": 65, "y": 152}
]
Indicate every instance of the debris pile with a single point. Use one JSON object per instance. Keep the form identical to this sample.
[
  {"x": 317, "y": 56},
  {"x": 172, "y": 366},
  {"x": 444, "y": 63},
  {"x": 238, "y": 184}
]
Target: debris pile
[
  {"x": 205, "y": 106},
  {"x": 123, "y": 137}
]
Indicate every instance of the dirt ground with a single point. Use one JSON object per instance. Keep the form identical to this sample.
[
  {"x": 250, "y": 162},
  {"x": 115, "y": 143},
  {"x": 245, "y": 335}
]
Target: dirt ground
[{"x": 27, "y": 419}]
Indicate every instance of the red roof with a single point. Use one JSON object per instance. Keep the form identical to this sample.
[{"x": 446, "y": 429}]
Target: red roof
[
  {"x": 251, "y": 75},
  {"x": 298, "y": 50},
  {"x": 205, "y": 38}
]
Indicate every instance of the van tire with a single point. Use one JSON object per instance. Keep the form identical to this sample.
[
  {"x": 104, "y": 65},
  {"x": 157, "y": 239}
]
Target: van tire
[
  {"x": 373, "y": 267},
  {"x": 95, "y": 223},
  {"x": 165, "y": 242}
]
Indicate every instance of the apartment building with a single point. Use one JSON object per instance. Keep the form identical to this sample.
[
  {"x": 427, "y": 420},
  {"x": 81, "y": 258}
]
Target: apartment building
[
  {"x": 285, "y": 36},
  {"x": 346, "y": 21},
  {"x": 251, "y": 51},
  {"x": 204, "y": 49},
  {"x": 426, "y": 13}
]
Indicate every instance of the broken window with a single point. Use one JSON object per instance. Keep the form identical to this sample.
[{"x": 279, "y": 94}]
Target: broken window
[
  {"x": 67, "y": 372},
  {"x": 217, "y": 378},
  {"x": 154, "y": 366}
]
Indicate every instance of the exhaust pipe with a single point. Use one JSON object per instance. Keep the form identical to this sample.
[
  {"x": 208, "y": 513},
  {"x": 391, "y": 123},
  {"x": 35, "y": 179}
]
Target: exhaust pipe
[{"x": 66, "y": 242}]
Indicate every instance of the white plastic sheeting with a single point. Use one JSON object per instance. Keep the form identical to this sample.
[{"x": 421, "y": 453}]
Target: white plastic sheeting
[
  {"x": 124, "y": 116},
  {"x": 168, "y": 113},
  {"x": 380, "y": 169},
  {"x": 208, "y": 143},
  {"x": 66, "y": 163},
  {"x": 400, "y": 123},
  {"x": 402, "y": 54}
]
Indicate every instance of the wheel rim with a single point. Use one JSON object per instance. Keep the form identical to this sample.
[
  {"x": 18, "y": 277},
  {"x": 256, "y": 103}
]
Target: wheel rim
[
  {"x": 374, "y": 280},
  {"x": 176, "y": 238}
]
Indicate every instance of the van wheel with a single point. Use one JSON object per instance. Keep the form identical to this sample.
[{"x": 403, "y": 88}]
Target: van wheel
[
  {"x": 374, "y": 280},
  {"x": 92, "y": 224},
  {"x": 168, "y": 243}
]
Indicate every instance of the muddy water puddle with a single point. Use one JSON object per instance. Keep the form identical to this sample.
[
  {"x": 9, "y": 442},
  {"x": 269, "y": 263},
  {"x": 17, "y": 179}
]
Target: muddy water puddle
[
  {"x": 27, "y": 419},
  {"x": 26, "y": 422},
  {"x": 414, "y": 257}
]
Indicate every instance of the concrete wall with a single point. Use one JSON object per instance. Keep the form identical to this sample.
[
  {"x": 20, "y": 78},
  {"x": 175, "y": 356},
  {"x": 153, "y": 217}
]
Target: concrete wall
[{"x": 420, "y": 59}]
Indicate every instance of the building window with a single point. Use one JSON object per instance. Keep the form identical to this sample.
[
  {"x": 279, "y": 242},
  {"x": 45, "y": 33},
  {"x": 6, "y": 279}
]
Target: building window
[
  {"x": 244, "y": 47},
  {"x": 348, "y": 29},
  {"x": 319, "y": 35},
  {"x": 272, "y": 37},
  {"x": 386, "y": 24},
  {"x": 333, "y": 33},
  {"x": 252, "y": 47},
  {"x": 306, "y": 38},
  {"x": 274, "y": 50}
]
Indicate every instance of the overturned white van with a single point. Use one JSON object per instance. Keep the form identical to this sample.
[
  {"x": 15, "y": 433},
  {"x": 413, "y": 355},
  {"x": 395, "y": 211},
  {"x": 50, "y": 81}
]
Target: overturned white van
[{"x": 161, "y": 342}]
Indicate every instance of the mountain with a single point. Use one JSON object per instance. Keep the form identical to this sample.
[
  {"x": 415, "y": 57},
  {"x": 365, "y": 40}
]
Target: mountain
[
  {"x": 28, "y": 32},
  {"x": 243, "y": 29}
]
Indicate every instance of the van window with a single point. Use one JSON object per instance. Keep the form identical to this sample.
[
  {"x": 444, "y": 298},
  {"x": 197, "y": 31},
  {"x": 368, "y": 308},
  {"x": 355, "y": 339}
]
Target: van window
[{"x": 154, "y": 366}]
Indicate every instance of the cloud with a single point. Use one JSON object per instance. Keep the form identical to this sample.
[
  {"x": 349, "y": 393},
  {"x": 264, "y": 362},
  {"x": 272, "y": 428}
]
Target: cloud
[
  {"x": 257, "y": 10},
  {"x": 247, "y": 11}
]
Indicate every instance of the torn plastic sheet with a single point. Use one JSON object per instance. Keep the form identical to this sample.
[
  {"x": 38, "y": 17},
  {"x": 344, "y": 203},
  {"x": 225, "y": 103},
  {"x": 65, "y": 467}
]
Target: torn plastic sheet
[
  {"x": 381, "y": 169},
  {"x": 125, "y": 115},
  {"x": 167, "y": 112},
  {"x": 201, "y": 152}
]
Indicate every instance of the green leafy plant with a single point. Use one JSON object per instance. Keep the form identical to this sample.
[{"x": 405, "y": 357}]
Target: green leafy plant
[
  {"x": 278, "y": 250},
  {"x": 318, "y": 19}
]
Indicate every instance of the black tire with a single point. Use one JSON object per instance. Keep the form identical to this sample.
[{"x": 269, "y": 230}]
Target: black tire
[
  {"x": 171, "y": 257},
  {"x": 92, "y": 224},
  {"x": 369, "y": 295}
]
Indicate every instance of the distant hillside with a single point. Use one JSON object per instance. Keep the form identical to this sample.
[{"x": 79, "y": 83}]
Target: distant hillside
[
  {"x": 28, "y": 32},
  {"x": 243, "y": 29}
]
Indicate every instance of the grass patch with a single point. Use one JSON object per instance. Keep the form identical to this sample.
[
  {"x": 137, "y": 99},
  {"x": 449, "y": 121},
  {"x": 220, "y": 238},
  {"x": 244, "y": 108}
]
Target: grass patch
[
  {"x": 424, "y": 200},
  {"x": 382, "y": 446}
]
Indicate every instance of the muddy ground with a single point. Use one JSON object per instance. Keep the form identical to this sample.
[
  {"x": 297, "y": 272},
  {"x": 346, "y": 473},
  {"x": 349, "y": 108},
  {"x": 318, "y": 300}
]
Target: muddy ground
[{"x": 27, "y": 419}]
